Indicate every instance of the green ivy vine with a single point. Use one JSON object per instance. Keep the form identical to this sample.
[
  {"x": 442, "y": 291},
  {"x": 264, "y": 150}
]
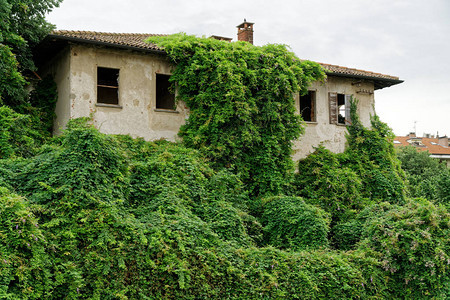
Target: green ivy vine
[{"x": 242, "y": 111}]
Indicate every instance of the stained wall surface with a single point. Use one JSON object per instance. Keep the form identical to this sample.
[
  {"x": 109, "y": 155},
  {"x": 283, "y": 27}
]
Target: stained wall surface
[
  {"x": 136, "y": 113},
  {"x": 332, "y": 136}
]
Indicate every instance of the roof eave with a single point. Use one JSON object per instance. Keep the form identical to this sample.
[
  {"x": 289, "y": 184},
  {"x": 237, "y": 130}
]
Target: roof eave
[
  {"x": 100, "y": 43},
  {"x": 379, "y": 83}
]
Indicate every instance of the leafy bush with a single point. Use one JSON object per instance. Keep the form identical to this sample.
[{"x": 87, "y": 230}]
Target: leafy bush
[
  {"x": 427, "y": 177},
  {"x": 322, "y": 180},
  {"x": 217, "y": 198},
  {"x": 17, "y": 136},
  {"x": 371, "y": 154},
  {"x": 274, "y": 274},
  {"x": 42, "y": 104},
  {"x": 291, "y": 223},
  {"x": 414, "y": 245},
  {"x": 24, "y": 263}
]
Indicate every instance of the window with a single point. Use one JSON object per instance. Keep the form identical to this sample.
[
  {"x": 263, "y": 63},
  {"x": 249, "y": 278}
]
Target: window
[
  {"x": 165, "y": 98},
  {"x": 308, "y": 106},
  {"x": 339, "y": 108},
  {"x": 108, "y": 86}
]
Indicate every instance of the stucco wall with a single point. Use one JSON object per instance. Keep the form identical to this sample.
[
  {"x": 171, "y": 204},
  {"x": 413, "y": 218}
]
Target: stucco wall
[
  {"x": 331, "y": 135},
  {"x": 136, "y": 114}
]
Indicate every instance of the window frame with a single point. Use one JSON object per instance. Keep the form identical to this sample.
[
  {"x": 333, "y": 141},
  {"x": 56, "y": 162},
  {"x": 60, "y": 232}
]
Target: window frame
[
  {"x": 335, "y": 110},
  {"x": 312, "y": 95},
  {"x": 100, "y": 101},
  {"x": 164, "y": 109}
]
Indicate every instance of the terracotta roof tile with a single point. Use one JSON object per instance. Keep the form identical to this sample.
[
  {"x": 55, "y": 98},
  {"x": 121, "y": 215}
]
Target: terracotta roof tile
[
  {"x": 429, "y": 144},
  {"x": 135, "y": 40},
  {"x": 351, "y": 71}
]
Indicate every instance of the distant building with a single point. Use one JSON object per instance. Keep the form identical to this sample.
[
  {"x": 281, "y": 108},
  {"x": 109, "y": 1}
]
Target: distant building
[{"x": 438, "y": 147}]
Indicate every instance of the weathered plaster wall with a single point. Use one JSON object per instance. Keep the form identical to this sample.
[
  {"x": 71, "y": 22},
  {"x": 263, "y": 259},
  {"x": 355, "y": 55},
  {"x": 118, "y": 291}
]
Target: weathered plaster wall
[
  {"x": 136, "y": 114},
  {"x": 331, "y": 135}
]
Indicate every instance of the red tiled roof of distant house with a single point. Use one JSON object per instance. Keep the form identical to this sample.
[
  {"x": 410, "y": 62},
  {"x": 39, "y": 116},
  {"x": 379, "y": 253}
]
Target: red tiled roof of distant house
[{"x": 428, "y": 144}]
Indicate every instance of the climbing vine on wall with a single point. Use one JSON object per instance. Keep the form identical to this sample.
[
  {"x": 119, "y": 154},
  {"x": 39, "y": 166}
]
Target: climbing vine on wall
[{"x": 242, "y": 111}]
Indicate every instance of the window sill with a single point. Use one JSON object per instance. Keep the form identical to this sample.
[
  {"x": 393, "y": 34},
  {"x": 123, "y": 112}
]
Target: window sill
[
  {"x": 108, "y": 105},
  {"x": 172, "y": 111},
  {"x": 311, "y": 122}
]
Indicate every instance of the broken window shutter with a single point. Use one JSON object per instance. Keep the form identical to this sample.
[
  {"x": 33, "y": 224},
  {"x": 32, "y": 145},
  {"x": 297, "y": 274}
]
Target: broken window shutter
[
  {"x": 332, "y": 98},
  {"x": 348, "y": 120}
]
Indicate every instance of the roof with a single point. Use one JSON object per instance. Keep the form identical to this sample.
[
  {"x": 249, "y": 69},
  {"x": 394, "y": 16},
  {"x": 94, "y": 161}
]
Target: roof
[
  {"x": 428, "y": 144},
  {"x": 136, "y": 41},
  {"x": 131, "y": 40},
  {"x": 380, "y": 80}
]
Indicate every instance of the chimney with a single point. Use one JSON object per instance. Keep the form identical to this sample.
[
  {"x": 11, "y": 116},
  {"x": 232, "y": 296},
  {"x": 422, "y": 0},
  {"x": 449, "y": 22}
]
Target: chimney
[
  {"x": 412, "y": 134},
  {"x": 443, "y": 141},
  {"x": 245, "y": 32}
]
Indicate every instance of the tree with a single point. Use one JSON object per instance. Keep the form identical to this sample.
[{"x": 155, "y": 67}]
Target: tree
[
  {"x": 22, "y": 26},
  {"x": 427, "y": 177}
]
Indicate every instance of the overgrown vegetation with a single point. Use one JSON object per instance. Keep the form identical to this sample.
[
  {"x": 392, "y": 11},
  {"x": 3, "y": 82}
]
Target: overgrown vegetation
[
  {"x": 22, "y": 27},
  {"x": 242, "y": 113},
  {"x": 221, "y": 215},
  {"x": 427, "y": 177}
]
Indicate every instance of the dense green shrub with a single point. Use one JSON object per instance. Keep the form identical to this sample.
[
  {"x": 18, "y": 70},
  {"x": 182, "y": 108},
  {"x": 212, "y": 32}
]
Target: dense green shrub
[
  {"x": 42, "y": 104},
  {"x": 274, "y": 274},
  {"x": 371, "y": 154},
  {"x": 87, "y": 163},
  {"x": 290, "y": 223},
  {"x": 322, "y": 180},
  {"x": 217, "y": 198},
  {"x": 24, "y": 263},
  {"x": 414, "y": 245},
  {"x": 119, "y": 218},
  {"x": 17, "y": 136},
  {"x": 242, "y": 112},
  {"x": 427, "y": 177}
]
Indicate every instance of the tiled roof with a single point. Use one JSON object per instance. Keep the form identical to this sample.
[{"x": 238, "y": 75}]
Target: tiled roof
[
  {"x": 137, "y": 41},
  {"x": 355, "y": 72},
  {"x": 428, "y": 144},
  {"x": 133, "y": 40}
]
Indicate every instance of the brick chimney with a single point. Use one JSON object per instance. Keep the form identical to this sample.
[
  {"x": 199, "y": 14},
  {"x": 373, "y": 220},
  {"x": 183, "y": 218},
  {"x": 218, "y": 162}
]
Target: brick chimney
[
  {"x": 245, "y": 32},
  {"x": 443, "y": 141},
  {"x": 412, "y": 134}
]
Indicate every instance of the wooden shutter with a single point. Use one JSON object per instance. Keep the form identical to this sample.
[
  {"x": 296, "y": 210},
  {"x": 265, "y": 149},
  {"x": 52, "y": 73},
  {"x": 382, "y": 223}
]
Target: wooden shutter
[
  {"x": 348, "y": 120},
  {"x": 332, "y": 98},
  {"x": 313, "y": 106}
]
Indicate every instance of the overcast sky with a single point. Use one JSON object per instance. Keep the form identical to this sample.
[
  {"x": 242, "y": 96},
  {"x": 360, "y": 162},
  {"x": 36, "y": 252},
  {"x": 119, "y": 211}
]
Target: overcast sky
[{"x": 405, "y": 38}]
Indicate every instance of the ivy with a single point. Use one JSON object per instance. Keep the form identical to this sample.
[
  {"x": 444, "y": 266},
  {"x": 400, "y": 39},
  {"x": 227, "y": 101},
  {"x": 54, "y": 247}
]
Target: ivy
[{"x": 242, "y": 112}]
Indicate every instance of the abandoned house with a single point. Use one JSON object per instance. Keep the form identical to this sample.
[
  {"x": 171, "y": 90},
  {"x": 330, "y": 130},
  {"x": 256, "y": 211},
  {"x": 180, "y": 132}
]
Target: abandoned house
[{"x": 122, "y": 82}]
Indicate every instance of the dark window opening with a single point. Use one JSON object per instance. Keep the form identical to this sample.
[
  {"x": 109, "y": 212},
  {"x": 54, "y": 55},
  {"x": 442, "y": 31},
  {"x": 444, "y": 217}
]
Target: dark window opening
[
  {"x": 108, "y": 86},
  {"x": 307, "y": 106},
  {"x": 165, "y": 98},
  {"x": 341, "y": 108}
]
